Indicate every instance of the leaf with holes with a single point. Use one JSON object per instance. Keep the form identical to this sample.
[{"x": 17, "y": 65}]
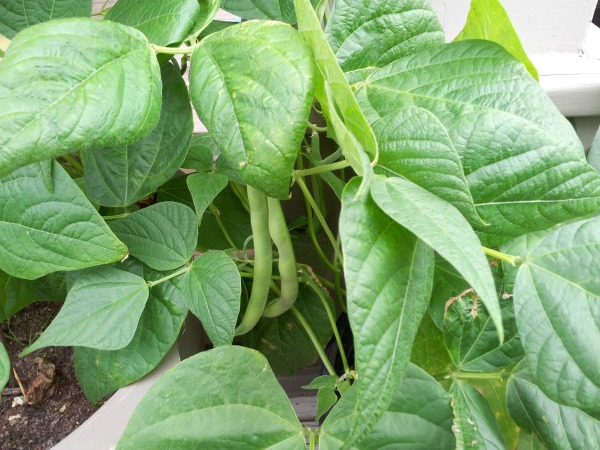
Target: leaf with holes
[
  {"x": 102, "y": 311},
  {"x": 75, "y": 84},
  {"x": 557, "y": 306},
  {"x": 212, "y": 292},
  {"x": 419, "y": 417},
  {"x": 162, "y": 236},
  {"x": 43, "y": 232},
  {"x": 389, "y": 275},
  {"x": 204, "y": 389},
  {"x": 121, "y": 175},
  {"x": 256, "y": 113}
]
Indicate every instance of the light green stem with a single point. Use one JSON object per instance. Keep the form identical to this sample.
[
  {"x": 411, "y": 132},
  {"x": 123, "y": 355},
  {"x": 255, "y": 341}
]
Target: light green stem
[
  {"x": 173, "y": 50},
  {"x": 322, "y": 169},
  {"x": 183, "y": 270},
  {"x": 478, "y": 376},
  {"x": 317, "y": 212},
  {"x": 510, "y": 259},
  {"x": 215, "y": 212},
  {"x": 75, "y": 164},
  {"x": 311, "y": 334},
  {"x": 115, "y": 217}
]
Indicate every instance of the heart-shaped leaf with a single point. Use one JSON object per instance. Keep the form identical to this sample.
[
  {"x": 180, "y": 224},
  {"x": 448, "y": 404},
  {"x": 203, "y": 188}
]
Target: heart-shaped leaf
[
  {"x": 163, "y": 22},
  {"x": 162, "y": 236},
  {"x": 213, "y": 289},
  {"x": 475, "y": 426},
  {"x": 419, "y": 417},
  {"x": 43, "y": 232},
  {"x": 557, "y": 305},
  {"x": 389, "y": 275},
  {"x": 101, "y": 372},
  {"x": 283, "y": 340},
  {"x": 16, "y": 15},
  {"x": 524, "y": 164},
  {"x": 559, "y": 427},
  {"x": 488, "y": 20},
  {"x": 204, "y": 188},
  {"x": 256, "y": 113},
  {"x": 102, "y": 311},
  {"x": 367, "y": 35},
  {"x": 443, "y": 228},
  {"x": 75, "y": 84},
  {"x": 192, "y": 406},
  {"x": 121, "y": 175}
]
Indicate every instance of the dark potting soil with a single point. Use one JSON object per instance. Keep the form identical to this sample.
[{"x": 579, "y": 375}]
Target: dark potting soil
[{"x": 49, "y": 377}]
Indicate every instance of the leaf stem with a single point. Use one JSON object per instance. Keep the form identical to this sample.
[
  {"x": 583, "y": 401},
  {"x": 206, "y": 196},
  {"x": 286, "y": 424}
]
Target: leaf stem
[
  {"x": 215, "y": 212},
  {"x": 510, "y": 259},
  {"x": 75, "y": 164},
  {"x": 314, "y": 127},
  {"x": 334, "y": 327},
  {"x": 115, "y": 217},
  {"x": 479, "y": 375},
  {"x": 317, "y": 212},
  {"x": 322, "y": 169},
  {"x": 173, "y": 50},
  {"x": 311, "y": 334},
  {"x": 183, "y": 270}
]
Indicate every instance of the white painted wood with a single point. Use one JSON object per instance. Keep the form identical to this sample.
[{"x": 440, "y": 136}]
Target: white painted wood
[{"x": 545, "y": 26}]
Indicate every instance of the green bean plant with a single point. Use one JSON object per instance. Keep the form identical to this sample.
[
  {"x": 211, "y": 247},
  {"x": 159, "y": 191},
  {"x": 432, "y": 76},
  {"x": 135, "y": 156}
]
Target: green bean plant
[{"x": 439, "y": 198}]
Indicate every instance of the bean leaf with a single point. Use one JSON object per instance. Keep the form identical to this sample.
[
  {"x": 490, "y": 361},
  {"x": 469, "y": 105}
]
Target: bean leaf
[{"x": 75, "y": 84}]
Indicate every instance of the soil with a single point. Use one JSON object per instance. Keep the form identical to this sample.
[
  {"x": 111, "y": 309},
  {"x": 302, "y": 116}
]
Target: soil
[{"x": 48, "y": 377}]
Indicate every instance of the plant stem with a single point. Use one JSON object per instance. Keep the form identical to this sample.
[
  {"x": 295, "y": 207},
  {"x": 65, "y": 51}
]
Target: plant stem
[
  {"x": 75, "y": 164},
  {"x": 115, "y": 217},
  {"x": 173, "y": 50},
  {"x": 314, "y": 340},
  {"x": 183, "y": 270},
  {"x": 510, "y": 259},
  {"x": 479, "y": 376},
  {"x": 241, "y": 195},
  {"x": 334, "y": 327},
  {"x": 322, "y": 221},
  {"x": 215, "y": 212},
  {"x": 322, "y": 169},
  {"x": 314, "y": 127}
]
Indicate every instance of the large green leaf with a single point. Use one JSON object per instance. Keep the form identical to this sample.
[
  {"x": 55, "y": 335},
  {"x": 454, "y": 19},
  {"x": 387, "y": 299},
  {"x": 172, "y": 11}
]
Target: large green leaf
[
  {"x": 75, "y": 84},
  {"x": 488, "y": 20},
  {"x": 593, "y": 156},
  {"x": 475, "y": 426},
  {"x": 256, "y": 113},
  {"x": 102, "y": 311},
  {"x": 101, "y": 372},
  {"x": 282, "y": 339},
  {"x": 429, "y": 351},
  {"x": 529, "y": 441},
  {"x": 204, "y": 187},
  {"x": 335, "y": 95},
  {"x": 121, "y": 175},
  {"x": 213, "y": 289},
  {"x": 4, "y": 366},
  {"x": 281, "y": 10},
  {"x": 418, "y": 418},
  {"x": 163, "y": 22},
  {"x": 523, "y": 162},
  {"x": 163, "y": 235},
  {"x": 225, "y": 398},
  {"x": 559, "y": 427},
  {"x": 557, "y": 305},
  {"x": 367, "y": 35},
  {"x": 43, "y": 232},
  {"x": 389, "y": 275},
  {"x": 16, "y": 15},
  {"x": 444, "y": 229},
  {"x": 415, "y": 145},
  {"x": 204, "y": 18}
]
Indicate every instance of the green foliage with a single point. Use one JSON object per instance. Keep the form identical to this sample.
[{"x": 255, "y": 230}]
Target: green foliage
[
  {"x": 488, "y": 20},
  {"x": 244, "y": 406},
  {"x": 435, "y": 193}
]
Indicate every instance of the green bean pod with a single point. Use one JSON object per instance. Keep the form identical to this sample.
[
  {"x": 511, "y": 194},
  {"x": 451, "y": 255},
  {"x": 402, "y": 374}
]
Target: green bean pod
[
  {"x": 263, "y": 260},
  {"x": 287, "y": 261}
]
